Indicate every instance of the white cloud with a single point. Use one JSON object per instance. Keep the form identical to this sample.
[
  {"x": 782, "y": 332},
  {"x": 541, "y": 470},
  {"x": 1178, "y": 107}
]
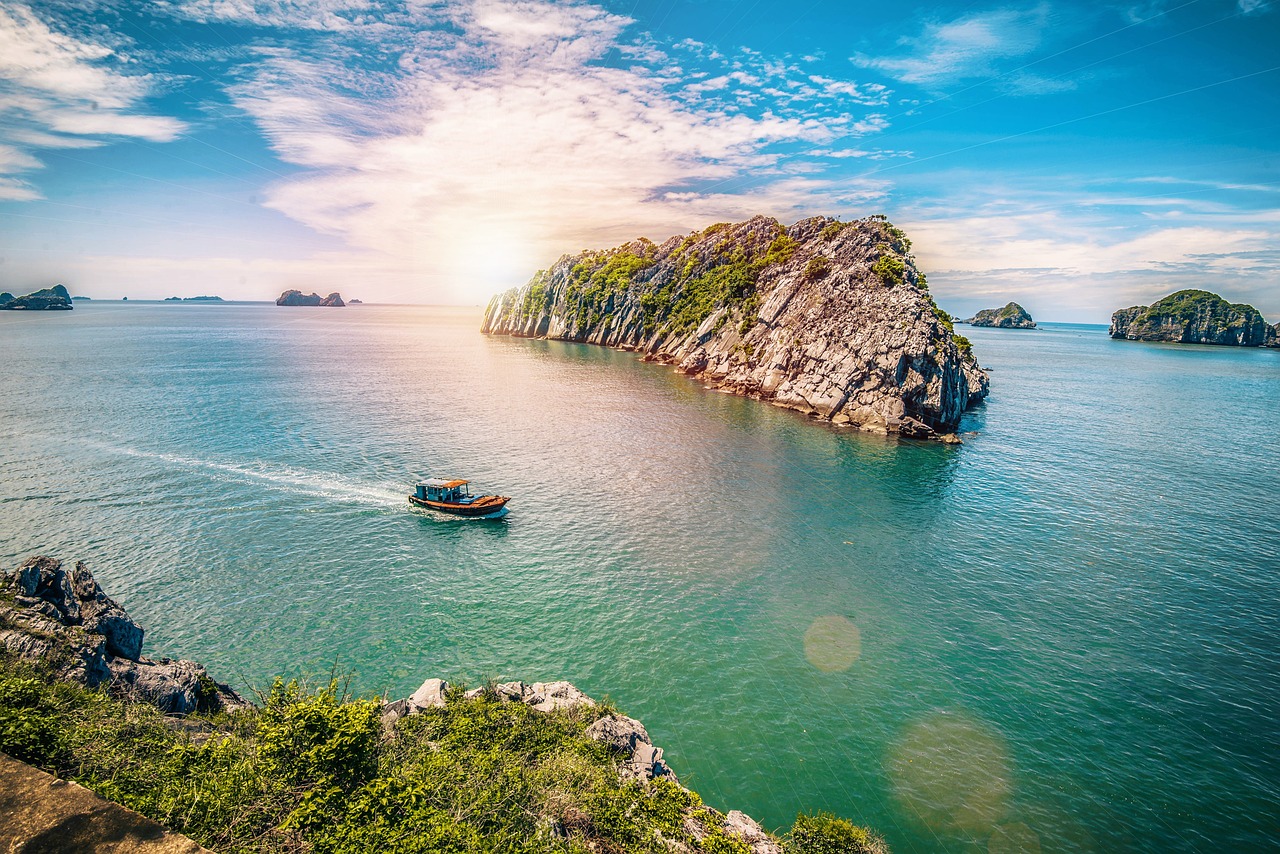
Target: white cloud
[
  {"x": 969, "y": 47},
  {"x": 1251, "y": 7},
  {"x": 495, "y": 153},
  {"x": 60, "y": 92}
]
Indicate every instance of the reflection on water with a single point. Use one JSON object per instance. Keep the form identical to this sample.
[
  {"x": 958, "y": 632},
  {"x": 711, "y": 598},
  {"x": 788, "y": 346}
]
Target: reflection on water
[{"x": 1058, "y": 637}]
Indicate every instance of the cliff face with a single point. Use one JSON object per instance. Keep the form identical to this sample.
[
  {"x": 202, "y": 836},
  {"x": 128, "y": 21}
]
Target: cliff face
[
  {"x": 1193, "y": 317},
  {"x": 63, "y": 618},
  {"x": 826, "y": 317},
  {"x": 1012, "y": 316}
]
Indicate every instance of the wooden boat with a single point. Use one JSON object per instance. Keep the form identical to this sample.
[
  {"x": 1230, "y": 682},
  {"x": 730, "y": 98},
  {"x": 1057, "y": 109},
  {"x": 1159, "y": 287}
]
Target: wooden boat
[{"x": 454, "y": 496}]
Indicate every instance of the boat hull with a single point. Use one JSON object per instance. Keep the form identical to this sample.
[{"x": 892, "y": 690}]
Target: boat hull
[{"x": 483, "y": 507}]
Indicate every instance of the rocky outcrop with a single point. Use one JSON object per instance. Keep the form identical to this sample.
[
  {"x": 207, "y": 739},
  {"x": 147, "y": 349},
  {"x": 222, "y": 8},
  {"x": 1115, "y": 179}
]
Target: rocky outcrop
[
  {"x": 624, "y": 737},
  {"x": 826, "y": 317},
  {"x": 194, "y": 299},
  {"x": 1012, "y": 316},
  {"x": 1193, "y": 317},
  {"x": 55, "y": 298},
  {"x": 1273, "y": 336},
  {"x": 65, "y": 620},
  {"x": 299, "y": 298}
]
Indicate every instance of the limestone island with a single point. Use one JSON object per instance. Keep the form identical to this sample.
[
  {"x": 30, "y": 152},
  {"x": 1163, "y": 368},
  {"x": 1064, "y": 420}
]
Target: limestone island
[
  {"x": 1012, "y": 316},
  {"x": 315, "y": 769},
  {"x": 81, "y": 299},
  {"x": 826, "y": 317},
  {"x": 193, "y": 299},
  {"x": 55, "y": 298},
  {"x": 292, "y": 297},
  {"x": 1195, "y": 317}
]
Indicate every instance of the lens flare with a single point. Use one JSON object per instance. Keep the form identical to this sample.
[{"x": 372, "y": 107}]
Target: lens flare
[
  {"x": 832, "y": 643},
  {"x": 951, "y": 772}
]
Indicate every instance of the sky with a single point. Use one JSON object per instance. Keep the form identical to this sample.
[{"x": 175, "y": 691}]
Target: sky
[{"x": 1076, "y": 157}]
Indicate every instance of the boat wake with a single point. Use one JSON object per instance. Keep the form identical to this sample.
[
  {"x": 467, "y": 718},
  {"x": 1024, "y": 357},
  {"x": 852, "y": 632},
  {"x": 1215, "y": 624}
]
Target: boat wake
[{"x": 306, "y": 482}]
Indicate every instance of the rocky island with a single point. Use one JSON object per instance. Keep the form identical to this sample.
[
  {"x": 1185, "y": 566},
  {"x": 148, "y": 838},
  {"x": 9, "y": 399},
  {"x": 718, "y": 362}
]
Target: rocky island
[
  {"x": 55, "y": 298},
  {"x": 194, "y": 299},
  {"x": 1195, "y": 317},
  {"x": 315, "y": 769},
  {"x": 292, "y": 297},
  {"x": 1012, "y": 316},
  {"x": 826, "y": 317}
]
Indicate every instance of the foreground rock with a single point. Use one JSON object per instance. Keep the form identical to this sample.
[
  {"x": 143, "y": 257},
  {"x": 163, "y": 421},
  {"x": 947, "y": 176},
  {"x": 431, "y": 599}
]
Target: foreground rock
[
  {"x": 55, "y": 298},
  {"x": 1194, "y": 317},
  {"x": 65, "y": 620},
  {"x": 1012, "y": 316},
  {"x": 826, "y": 317},
  {"x": 333, "y": 300},
  {"x": 626, "y": 738},
  {"x": 40, "y": 813}
]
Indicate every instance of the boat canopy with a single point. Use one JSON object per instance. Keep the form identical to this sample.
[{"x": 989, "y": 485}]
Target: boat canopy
[{"x": 441, "y": 483}]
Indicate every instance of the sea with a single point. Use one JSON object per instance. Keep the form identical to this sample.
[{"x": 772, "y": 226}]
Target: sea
[{"x": 1060, "y": 636}]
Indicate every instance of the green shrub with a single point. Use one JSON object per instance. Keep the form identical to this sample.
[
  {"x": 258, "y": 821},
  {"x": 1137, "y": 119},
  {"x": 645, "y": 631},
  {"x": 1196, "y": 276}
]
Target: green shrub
[
  {"x": 964, "y": 345},
  {"x": 824, "y": 833},
  {"x": 890, "y": 269},
  {"x": 818, "y": 267}
]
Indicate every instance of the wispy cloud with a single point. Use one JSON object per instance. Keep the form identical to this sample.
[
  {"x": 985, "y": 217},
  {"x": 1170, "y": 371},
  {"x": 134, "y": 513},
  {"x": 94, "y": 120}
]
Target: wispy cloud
[
  {"x": 521, "y": 136},
  {"x": 969, "y": 47},
  {"x": 1254, "y": 7},
  {"x": 57, "y": 91}
]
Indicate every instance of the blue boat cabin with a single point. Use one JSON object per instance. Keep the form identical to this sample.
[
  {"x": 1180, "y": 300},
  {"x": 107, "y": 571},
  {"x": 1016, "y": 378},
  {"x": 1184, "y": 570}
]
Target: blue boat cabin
[{"x": 447, "y": 491}]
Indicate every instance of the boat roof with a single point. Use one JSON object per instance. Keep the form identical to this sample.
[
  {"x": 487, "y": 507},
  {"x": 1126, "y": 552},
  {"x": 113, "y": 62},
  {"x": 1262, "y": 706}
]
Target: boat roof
[{"x": 442, "y": 483}]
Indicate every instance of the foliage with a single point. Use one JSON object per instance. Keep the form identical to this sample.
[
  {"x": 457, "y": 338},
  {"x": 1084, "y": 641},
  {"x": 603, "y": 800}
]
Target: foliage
[
  {"x": 824, "y": 833},
  {"x": 817, "y": 268},
  {"x": 1188, "y": 305},
  {"x": 890, "y": 269},
  {"x": 314, "y": 770},
  {"x": 964, "y": 346}
]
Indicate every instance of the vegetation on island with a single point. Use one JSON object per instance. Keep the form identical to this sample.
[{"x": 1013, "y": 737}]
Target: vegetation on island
[
  {"x": 1191, "y": 305},
  {"x": 314, "y": 769}
]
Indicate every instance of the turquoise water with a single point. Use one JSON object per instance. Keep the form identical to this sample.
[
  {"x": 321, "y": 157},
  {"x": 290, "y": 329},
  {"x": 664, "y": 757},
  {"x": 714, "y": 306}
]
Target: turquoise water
[{"x": 1061, "y": 636}]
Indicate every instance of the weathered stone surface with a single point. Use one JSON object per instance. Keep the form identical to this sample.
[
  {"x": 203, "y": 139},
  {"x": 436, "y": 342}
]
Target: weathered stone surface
[
  {"x": 40, "y": 814},
  {"x": 292, "y": 297},
  {"x": 827, "y": 318},
  {"x": 431, "y": 693},
  {"x": 747, "y": 829},
  {"x": 559, "y": 695},
  {"x": 1193, "y": 317},
  {"x": 55, "y": 298},
  {"x": 1012, "y": 316},
  {"x": 619, "y": 733},
  {"x": 68, "y": 621}
]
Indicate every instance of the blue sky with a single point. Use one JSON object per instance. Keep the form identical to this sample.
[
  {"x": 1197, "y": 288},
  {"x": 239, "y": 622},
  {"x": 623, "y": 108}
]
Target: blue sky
[{"x": 1075, "y": 157}]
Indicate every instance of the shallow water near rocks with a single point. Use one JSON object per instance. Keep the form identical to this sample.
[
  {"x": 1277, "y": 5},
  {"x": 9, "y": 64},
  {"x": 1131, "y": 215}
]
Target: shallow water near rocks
[{"x": 1058, "y": 637}]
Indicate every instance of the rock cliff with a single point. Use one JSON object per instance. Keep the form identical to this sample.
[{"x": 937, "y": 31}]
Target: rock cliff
[
  {"x": 64, "y": 619},
  {"x": 1193, "y": 317},
  {"x": 1012, "y": 316},
  {"x": 826, "y": 317},
  {"x": 55, "y": 298},
  {"x": 292, "y": 297}
]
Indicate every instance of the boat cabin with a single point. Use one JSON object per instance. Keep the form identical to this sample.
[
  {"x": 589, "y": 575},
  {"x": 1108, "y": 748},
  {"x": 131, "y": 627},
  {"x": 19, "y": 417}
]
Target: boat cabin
[{"x": 447, "y": 491}]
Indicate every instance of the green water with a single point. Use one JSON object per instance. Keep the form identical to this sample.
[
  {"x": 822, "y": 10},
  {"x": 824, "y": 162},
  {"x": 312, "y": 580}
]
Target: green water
[{"x": 1059, "y": 637}]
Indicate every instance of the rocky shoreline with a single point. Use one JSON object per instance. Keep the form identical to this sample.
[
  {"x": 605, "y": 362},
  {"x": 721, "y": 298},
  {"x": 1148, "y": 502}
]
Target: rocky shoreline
[
  {"x": 63, "y": 620},
  {"x": 825, "y": 317}
]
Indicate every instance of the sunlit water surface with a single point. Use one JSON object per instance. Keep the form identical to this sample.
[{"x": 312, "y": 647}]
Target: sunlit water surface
[{"x": 1059, "y": 637}]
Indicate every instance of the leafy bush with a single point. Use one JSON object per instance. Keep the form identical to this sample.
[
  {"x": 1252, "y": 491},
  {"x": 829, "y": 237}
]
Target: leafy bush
[
  {"x": 890, "y": 270},
  {"x": 818, "y": 267},
  {"x": 824, "y": 833},
  {"x": 964, "y": 345}
]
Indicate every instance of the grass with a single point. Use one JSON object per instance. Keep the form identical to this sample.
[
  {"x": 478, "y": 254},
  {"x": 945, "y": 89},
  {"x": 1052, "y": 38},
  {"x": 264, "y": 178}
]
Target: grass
[{"x": 313, "y": 770}]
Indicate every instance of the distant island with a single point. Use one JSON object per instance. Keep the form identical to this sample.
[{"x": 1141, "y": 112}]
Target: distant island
[
  {"x": 193, "y": 299},
  {"x": 826, "y": 317},
  {"x": 84, "y": 299},
  {"x": 55, "y": 298},
  {"x": 292, "y": 297},
  {"x": 1195, "y": 317},
  {"x": 1012, "y": 316},
  {"x": 355, "y": 302}
]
